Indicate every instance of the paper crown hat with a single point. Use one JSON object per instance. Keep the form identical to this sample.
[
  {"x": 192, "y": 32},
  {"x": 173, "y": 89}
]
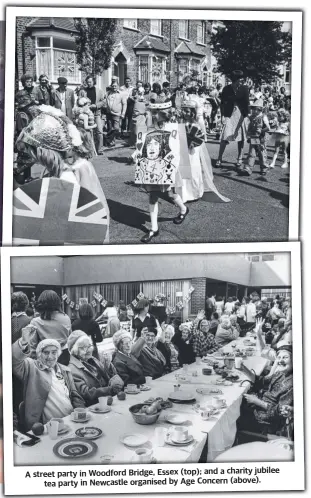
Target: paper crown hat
[
  {"x": 189, "y": 103},
  {"x": 160, "y": 105}
]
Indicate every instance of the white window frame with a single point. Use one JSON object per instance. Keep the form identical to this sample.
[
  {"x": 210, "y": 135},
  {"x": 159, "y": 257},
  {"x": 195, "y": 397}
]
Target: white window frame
[
  {"x": 126, "y": 24},
  {"x": 186, "y": 37},
  {"x": 51, "y": 76},
  {"x": 159, "y": 27},
  {"x": 201, "y": 26}
]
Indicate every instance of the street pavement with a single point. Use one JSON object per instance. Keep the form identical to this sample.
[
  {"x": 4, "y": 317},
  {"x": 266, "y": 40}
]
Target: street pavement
[{"x": 258, "y": 210}]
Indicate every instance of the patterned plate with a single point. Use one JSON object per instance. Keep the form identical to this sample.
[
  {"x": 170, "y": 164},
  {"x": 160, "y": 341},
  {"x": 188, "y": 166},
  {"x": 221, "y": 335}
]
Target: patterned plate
[
  {"x": 74, "y": 448},
  {"x": 145, "y": 388},
  {"x": 98, "y": 409},
  {"x": 89, "y": 432},
  {"x": 209, "y": 390}
]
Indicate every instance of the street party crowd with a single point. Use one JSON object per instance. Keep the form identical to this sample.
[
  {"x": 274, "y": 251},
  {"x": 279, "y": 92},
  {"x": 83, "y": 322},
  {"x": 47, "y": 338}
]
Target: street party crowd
[
  {"x": 62, "y": 130},
  {"x": 58, "y": 364}
]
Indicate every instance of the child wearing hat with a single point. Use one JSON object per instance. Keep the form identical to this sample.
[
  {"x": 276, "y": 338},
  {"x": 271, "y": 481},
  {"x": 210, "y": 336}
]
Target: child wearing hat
[{"x": 258, "y": 126}]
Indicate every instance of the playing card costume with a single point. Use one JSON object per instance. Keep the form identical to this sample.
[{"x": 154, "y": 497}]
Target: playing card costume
[{"x": 68, "y": 205}]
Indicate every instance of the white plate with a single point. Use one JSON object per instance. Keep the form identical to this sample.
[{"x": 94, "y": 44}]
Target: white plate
[
  {"x": 171, "y": 441},
  {"x": 97, "y": 409},
  {"x": 209, "y": 390},
  {"x": 134, "y": 440},
  {"x": 145, "y": 388},
  {"x": 175, "y": 419},
  {"x": 88, "y": 417},
  {"x": 181, "y": 396},
  {"x": 131, "y": 392}
]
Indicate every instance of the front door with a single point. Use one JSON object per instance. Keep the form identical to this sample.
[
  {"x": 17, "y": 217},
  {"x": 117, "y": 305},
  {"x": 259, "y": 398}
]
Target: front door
[{"x": 120, "y": 68}]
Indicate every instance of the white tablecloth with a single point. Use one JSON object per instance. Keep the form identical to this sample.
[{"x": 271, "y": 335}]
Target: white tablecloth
[{"x": 221, "y": 430}]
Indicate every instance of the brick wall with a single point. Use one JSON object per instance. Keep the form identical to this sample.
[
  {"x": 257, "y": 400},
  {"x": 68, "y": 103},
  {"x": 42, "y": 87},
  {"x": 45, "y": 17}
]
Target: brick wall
[
  {"x": 198, "y": 295},
  {"x": 25, "y": 49}
]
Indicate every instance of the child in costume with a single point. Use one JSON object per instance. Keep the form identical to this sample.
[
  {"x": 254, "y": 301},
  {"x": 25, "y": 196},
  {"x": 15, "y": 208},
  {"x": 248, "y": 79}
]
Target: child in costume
[
  {"x": 281, "y": 136},
  {"x": 257, "y": 128},
  {"x": 84, "y": 119},
  {"x": 157, "y": 163},
  {"x": 201, "y": 180}
]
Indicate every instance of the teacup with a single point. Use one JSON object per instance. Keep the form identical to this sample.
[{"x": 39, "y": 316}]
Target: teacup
[
  {"x": 61, "y": 423},
  {"x": 238, "y": 362},
  {"x": 176, "y": 387},
  {"x": 180, "y": 434},
  {"x": 198, "y": 360},
  {"x": 207, "y": 371},
  {"x": 80, "y": 414},
  {"x": 194, "y": 373},
  {"x": 219, "y": 402},
  {"x": 132, "y": 388},
  {"x": 144, "y": 455},
  {"x": 206, "y": 412}
]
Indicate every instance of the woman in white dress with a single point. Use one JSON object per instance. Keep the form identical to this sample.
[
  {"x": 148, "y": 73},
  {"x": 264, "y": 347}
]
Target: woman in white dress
[{"x": 201, "y": 182}]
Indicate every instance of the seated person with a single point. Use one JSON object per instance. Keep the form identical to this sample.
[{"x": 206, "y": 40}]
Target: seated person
[
  {"x": 225, "y": 332},
  {"x": 167, "y": 348},
  {"x": 263, "y": 405},
  {"x": 49, "y": 389},
  {"x": 183, "y": 341},
  {"x": 150, "y": 357},
  {"x": 91, "y": 378},
  {"x": 125, "y": 358},
  {"x": 203, "y": 342}
]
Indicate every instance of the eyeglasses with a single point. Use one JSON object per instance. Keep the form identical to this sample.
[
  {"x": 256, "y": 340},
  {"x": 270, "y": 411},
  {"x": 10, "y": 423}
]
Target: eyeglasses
[{"x": 86, "y": 348}]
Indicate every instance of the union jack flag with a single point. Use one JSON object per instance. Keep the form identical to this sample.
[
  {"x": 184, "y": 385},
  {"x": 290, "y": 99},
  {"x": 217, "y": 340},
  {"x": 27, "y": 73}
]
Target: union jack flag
[{"x": 56, "y": 212}]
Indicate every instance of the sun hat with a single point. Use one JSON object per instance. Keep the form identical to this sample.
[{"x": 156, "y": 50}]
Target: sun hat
[{"x": 257, "y": 103}]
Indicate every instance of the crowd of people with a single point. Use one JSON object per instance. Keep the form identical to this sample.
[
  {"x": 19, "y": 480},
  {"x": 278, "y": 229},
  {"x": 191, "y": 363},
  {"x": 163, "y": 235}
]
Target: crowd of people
[
  {"x": 58, "y": 365},
  {"x": 61, "y": 130}
]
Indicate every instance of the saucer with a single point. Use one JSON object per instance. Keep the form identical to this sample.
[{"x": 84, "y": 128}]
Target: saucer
[
  {"x": 173, "y": 442},
  {"x": 87, "y": 418},
  {"x": 64, "y": 430},
  {"x": 133, "y": 440},
  {"x": 145, "y": 388},
  {"x": 131, "y": 392},
  {"x": 98, "y": 409},
  {"x": 89, "y": 432},
  {"x": 175, "y": 419}
]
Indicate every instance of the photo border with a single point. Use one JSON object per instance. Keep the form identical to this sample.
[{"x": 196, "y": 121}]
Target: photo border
[
  {"x": 260, "y": 15},
  {"x": 14, "y": 481}
]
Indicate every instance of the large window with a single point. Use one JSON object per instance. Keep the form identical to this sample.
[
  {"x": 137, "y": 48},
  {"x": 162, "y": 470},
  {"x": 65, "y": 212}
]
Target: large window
[
  {"x": 183, "y": 68},
  {"x": 56, "y": 57},
  {"x": 201, "y": 33},
  {"x": 130, "y": 23},
  {"x": 184, "y": 29},
  {"x": 156, "y": 27},
  {"x": 152, "y": 68}
]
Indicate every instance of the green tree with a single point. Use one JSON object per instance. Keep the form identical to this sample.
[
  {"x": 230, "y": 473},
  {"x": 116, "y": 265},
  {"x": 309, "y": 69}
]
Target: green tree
[
  {"x": 258, "y": 48},
  {"x": 94, "y": 41}
]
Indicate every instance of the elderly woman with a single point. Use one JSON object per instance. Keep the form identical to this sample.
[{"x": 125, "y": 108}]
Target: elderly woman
[
  {"x": 19, "y": 317},
  {"x": 269, "y": 394},
  {"x": 52, "y": 323},
  {"x": 49, "y": 389},
  {"x": 91, "y": 378},
  {"x": 150, "y": 357},
  {"x": 203, "y": 342},
  {"x": 167, "y": 348},
  {"x": 183, "y": 341},
  {"x": 125, "y": 358},
  {"x": 225, "y": 332}
]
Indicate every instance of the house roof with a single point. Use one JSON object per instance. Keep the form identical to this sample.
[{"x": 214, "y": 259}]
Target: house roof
[
  {"x": 188, "y": 48},
  {"x": 61, "y": 23},
  {"x": 150, "y": 43}
]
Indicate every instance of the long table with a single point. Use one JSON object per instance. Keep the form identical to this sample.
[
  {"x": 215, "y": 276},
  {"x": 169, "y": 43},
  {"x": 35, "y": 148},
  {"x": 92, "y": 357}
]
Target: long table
[{"x": 221, "y": 429}]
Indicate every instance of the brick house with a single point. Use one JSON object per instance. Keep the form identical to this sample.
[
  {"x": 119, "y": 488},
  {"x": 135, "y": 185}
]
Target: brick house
[{"x": 147, "y": 49}]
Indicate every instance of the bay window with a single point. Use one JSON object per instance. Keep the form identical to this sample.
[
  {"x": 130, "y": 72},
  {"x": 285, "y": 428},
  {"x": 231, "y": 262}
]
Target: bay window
[
  {"x": 183, "y": 67},
  {"x": 152, "y": 68},
  {"x": 56, "y": 57}
]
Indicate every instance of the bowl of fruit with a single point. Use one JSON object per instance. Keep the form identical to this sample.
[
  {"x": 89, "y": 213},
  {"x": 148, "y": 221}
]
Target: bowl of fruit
[{"x": 146, "y": 414}]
